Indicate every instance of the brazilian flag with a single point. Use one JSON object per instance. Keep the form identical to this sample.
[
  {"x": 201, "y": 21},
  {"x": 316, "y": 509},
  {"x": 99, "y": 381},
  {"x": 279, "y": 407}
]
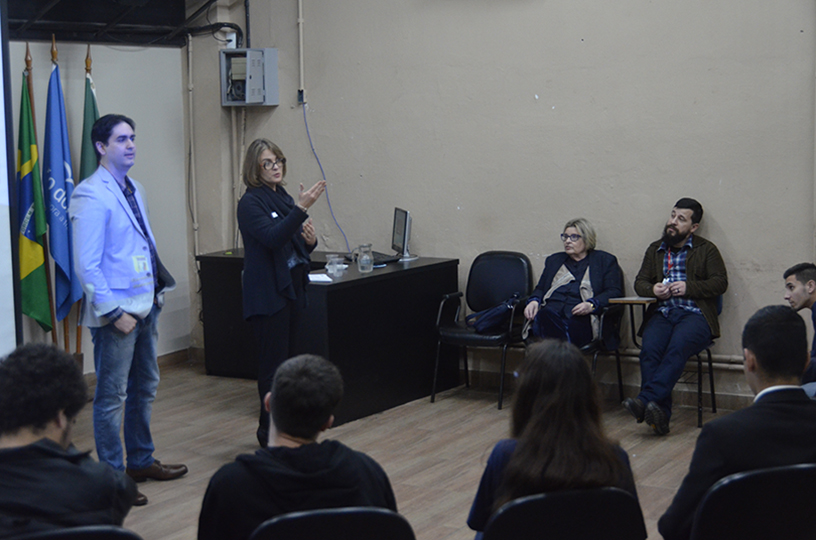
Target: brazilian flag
[{"x": 33, "y": 284}]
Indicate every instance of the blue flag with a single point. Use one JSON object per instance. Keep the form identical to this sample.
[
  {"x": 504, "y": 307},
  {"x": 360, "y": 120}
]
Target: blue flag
[{"x": 58, "y": 183}]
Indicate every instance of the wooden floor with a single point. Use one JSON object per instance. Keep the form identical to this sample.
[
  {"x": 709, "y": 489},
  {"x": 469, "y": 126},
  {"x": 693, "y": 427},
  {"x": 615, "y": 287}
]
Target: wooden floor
[{"x": 434, "y": 454}]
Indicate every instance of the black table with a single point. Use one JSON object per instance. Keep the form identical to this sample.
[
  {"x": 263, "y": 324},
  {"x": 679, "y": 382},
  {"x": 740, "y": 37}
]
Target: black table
[{"x": 378, "y": 328}]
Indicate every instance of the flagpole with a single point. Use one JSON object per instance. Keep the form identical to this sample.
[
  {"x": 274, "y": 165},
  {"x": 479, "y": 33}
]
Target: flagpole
[
  {"x": 29, "y": 69},
  {"x": 78, "y": 355}
]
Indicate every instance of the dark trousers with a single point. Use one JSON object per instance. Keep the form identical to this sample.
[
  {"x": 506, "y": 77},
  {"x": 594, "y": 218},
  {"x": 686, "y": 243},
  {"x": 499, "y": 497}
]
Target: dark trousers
[
  {"x": 276, "y": 338},
  {"x": 668, "y": 342},
  {"x": 810, "y": 371},
  {"x": 551, "y": 325}
]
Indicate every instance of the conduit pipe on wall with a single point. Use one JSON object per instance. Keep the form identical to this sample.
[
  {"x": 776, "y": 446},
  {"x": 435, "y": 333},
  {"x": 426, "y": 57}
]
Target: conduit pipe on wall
[
  {"x": 301, "y": 87},
  {"x": 192, "y": 172}
]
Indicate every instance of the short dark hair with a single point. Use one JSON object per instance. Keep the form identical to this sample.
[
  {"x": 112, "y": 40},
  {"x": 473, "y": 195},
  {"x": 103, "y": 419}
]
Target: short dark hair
[
  {"x": 305, "y": 391},
  {"x": 803, "y": 272},
  {"x": 687, "y": 203},
  {"x": 778, "y": 338},
  {"x": 37, "y": 381},
  {"x": 103, "y": 127}
]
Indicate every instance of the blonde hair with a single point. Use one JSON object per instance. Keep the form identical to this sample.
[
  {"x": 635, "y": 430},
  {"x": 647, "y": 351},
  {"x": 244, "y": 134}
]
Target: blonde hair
[
  {"x": 586, "y": 229},
  {"x": 252, "y": 162}
]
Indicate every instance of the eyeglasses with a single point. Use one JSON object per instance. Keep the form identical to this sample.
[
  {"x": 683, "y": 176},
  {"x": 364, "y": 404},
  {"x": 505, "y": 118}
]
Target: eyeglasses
[
  {"x": 268, "y": 164},
  {"x": 570, "y": 237}
]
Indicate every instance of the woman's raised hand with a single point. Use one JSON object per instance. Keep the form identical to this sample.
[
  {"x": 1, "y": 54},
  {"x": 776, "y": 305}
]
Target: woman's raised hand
[{"x": 307, "y": 198}]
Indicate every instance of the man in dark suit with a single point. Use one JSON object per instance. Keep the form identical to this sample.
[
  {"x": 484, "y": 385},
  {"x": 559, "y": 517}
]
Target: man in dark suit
[{"x": 778, "y": 429}]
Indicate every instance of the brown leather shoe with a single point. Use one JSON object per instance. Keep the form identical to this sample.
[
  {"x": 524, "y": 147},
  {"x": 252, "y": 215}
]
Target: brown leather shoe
[
  {"x": 157, "y": 471},
  {"x": 141, "y": 499}
]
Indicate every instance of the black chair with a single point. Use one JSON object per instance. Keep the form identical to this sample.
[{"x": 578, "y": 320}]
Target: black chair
[
  {"x": 495, "y": 276},
  {"x": 89, "y": 532},
  {"x": 608, "y": 338},
  {"x": 356, "y": 523},
  {"x": 765, "y": 504},
  {"x": 592, "y": 514},
  {"x": 692, "y": 377}
]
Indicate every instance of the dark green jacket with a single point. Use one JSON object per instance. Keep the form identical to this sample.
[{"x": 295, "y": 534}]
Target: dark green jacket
[{"x": 706, "y": 278}]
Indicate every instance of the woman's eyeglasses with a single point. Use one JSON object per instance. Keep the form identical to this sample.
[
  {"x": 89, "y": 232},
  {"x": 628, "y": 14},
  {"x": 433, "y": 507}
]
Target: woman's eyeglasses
[
  {"x": 570, "y": 237},
  {"x": 268, "y": 164}
]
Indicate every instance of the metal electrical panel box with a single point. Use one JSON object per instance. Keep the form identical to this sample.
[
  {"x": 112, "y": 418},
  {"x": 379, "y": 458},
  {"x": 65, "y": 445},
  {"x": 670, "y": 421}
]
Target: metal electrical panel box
[{"x": 249, "y": 77}]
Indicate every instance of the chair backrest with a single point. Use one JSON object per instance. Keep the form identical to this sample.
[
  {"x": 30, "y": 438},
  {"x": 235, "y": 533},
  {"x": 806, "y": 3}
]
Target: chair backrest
[
  {"x": 89, "y": 532},
  {"x": 357, "y": 523},
  {"x": 496, "y": 276},
  {"x": 763, "y": 504},
  {"x": 592, "y": 514}
]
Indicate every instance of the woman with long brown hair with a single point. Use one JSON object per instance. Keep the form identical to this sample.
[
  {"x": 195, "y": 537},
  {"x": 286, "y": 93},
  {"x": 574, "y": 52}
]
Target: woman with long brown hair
[{"x": 558, "y": 442}]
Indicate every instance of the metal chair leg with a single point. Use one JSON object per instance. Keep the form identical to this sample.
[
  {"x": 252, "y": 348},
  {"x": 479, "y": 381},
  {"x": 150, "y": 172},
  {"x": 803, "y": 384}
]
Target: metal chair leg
[
  {"x": 501, "y": 375},
  {"x": 467, "y": 373},
  {"x": 620, "y": 375},
  {"x": 699, "y": 390},
  {"x": 436, "y": 370},
  {"x": 711, "y": 382}
]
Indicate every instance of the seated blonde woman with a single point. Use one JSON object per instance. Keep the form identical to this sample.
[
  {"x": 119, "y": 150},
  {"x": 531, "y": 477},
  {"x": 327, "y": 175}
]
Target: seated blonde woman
[{"x": 574, "y": 287}]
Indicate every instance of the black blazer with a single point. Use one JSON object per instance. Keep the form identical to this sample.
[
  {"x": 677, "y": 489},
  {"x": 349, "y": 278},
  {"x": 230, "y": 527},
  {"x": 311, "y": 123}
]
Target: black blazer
[
  {"x": 777, "y": 430},
  {"x": 270, "y": 225},
  {"x": 604, "y": 275}
]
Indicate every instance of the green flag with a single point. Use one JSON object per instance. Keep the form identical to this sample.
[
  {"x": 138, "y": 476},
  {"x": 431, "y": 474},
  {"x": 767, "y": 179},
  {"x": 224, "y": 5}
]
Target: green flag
[
  {"x": 87, "y": 159},
  {"x": 33, "y": 284}
]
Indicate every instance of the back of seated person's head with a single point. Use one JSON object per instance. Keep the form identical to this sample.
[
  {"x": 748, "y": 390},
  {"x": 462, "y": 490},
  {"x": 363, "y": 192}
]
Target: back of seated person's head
[
  {"x": 777, "y": 337},
  {"x": 305, "y": 391},
  {"x": 803, "y": 272},
  {"x": 554, "y": 380},
  {"x": 37, "y": 382},
  {"x": 557, "y": 423}
]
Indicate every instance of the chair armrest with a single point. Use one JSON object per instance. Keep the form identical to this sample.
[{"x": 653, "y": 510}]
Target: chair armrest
[{"x": 446, "y": 298}]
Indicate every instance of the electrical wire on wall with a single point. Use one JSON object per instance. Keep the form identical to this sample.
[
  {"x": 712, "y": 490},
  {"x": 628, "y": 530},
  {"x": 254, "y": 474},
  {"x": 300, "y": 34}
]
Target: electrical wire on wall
[
  {"x": 302, "y": 101},
  {"x": 328, "y": 200}
]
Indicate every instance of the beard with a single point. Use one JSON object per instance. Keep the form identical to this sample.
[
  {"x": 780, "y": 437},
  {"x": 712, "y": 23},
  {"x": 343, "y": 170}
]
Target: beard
[{"x": 671, "y": 237}]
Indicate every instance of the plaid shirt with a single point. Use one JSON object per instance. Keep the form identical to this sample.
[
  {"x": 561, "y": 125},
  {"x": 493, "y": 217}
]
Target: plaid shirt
[{"x": 674, "y": 268}]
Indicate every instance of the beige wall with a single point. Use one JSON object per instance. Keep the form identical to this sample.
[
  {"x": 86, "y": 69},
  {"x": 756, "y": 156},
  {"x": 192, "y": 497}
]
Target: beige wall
[{"x": 495, "y": 122}]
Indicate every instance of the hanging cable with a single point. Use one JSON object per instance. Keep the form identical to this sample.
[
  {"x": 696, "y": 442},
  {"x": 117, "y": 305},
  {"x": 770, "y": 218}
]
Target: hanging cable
[{"x": 328, "y": 200}]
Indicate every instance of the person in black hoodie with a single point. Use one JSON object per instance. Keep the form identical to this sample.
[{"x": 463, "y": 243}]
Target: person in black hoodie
[
  {"x": 294, "y": 472},
  {"x": 45, "y": 482}
]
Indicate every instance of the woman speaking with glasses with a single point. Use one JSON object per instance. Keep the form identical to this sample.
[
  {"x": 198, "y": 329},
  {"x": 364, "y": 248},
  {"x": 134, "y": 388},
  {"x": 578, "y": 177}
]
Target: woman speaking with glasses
[
  {"x": 278, "y": 238},
  {"x": 574, "y": 287}
]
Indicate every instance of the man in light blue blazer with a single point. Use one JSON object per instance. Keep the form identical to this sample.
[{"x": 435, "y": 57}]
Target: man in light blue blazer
[{"x": 124, "y": 282}]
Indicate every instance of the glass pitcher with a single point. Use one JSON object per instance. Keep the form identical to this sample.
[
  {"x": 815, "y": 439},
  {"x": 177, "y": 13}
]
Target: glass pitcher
[{"x": 365, "y": 258}]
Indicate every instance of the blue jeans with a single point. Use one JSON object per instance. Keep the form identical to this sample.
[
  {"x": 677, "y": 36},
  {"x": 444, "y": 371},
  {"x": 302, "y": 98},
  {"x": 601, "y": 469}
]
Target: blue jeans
[
  {"x": 668, "y": 342},
  {"x": 127, "y": 376}
]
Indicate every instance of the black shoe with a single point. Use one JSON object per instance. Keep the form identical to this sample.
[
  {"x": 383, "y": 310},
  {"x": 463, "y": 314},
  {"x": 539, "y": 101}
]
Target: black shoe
[
  {"x": 656, "y": 418},
  {"x": 263, "y": 437},
  {"x": 635, "y": 408},
  {"x": 141, "y": 499}
]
